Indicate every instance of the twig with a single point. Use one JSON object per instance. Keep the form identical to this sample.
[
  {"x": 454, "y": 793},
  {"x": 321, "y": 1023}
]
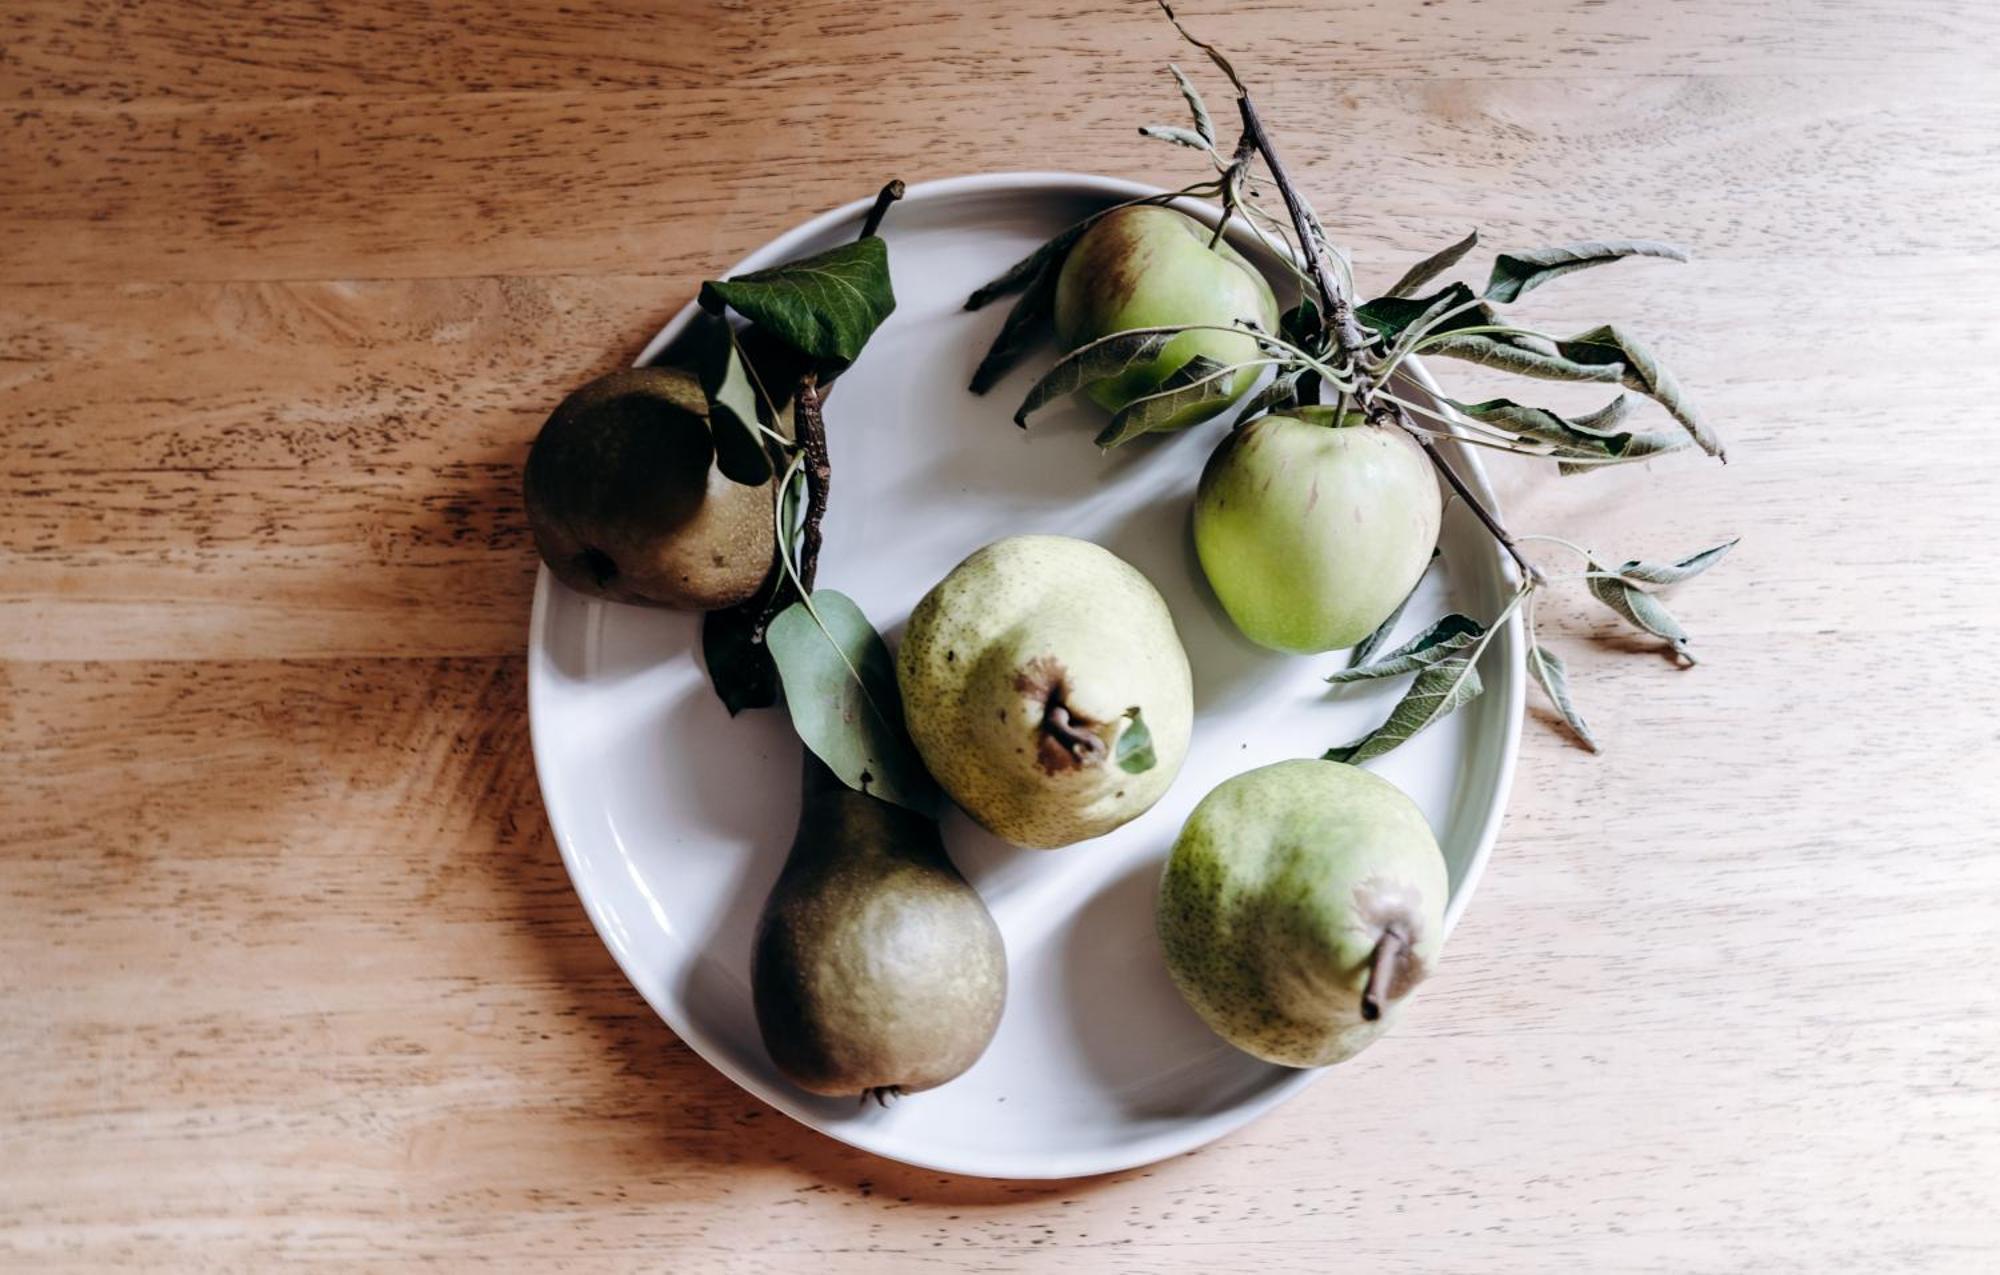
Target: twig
[
  {"x": 888, "y": 195},
  {"x": 819, "y": 473}
]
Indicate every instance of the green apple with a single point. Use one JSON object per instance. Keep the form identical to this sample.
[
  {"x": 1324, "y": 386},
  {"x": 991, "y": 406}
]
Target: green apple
[
  {"x": 1301, "y": 903},
  {"x": 1146, "y": 267},
  {"x": 1312, "y": 529}
]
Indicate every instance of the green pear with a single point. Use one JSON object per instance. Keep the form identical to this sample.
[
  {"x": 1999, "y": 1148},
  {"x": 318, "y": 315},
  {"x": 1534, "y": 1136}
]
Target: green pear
[
  {"x": 1046, "y": 689},
  {"x": 1145, "y": 267},
  {"x": 626, "y": 503},
  {"x": 877, "y": 969},
  {"x": 1313, "y": 529},
  {"x": 1301, "y": 903}
]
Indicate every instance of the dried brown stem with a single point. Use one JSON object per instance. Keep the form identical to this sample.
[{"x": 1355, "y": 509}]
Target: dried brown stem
[
  {"x": 1382, "y": 973},
  {"x": 811, "y": 428},
  {"x": 888, "y": 195}
]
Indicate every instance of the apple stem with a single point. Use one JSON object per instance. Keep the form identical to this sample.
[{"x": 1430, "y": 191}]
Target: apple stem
[
  {"x": 819, "y": 474},
  {"x": 1348, "y": 338},
  {"x": 888, "y": 195},
  {"x": 1382, "y": 972}
]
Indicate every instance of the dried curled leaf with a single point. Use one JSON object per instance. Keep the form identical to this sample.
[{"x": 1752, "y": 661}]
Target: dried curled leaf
[
  {"x": 1439, "y": 691},
  {"x": 1178, "y": 136},
  {"x": 1517, "y": 272},
  {"x": 1583, "y": 443},
  {"x": 1521, "y": 357},
  {"x": 1434, "y": 645},
  {"x": 1660, "y": 575},
  {"x": 1607, "y": 346},
  {"x": 1553, "y": 677},
  {"x": 1641, "y": 610},
  {"x": 1280, "y": 394},
  {"x": 1100, "y": 360},
  {"x": 1204, "y": 126},
  {"x": 1393, "y": 316},
  {"x": 1365, "y": 650},
  {"x": 1433, "y": 266}
]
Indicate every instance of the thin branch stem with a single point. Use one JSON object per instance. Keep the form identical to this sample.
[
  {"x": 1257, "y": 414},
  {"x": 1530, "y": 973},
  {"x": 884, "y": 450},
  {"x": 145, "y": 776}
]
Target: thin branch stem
[
  {"x": 819, "y": 476},
  {"x": 889, "y": 194}
]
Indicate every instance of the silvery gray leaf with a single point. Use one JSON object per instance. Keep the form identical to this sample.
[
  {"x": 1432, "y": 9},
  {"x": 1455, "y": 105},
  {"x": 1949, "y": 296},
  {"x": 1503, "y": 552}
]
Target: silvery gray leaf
[
  {"x": 1438, "y": 691},
  {"x": 1550, "y": 672},
  {"x": 1433, "y": 266},
  {"x": 1434, "y": 645},
  {"x": 1098, "y": 361},
  {"x": 1517, "y": 272}
]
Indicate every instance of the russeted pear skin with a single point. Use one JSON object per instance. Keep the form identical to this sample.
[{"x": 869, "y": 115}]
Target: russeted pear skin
[
  {"x": 626, "y": 503},
  {"x": 1022, "y": 671},
  {"x": 1301, "y": 903},
  {"x": 877, "y": 969}
]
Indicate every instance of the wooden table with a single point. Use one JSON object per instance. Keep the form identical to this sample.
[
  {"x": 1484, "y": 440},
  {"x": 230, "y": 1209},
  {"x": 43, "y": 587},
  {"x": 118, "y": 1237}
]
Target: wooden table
[{"x": 289, "y": 968}]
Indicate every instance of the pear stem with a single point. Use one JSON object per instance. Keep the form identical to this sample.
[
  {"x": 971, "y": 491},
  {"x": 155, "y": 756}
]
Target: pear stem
[
  {"x": 1382, "y": 972},
  {"x": 888, "y": 195},
  {"x": 1084, "y": 745},
  {"x": 1347, "y": 336}
]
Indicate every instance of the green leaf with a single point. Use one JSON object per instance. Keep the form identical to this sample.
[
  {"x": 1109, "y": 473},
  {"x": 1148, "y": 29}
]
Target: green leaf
[
  {"x": 1517, "y": 272},
  {"x": 1134, "y": 749},
  {"x": 1433, "y": 266},
  {"x": 1366, "y": 648},
  {"x": 1302, "y": 324},
  {"x": 1548, "y": 669},
  {"x": 1279, "y": 394},
  {"x": 1029, "y": 268},
  {"x": 1203, "y": 124},
  {"x": 1024, "y": 325},
  {"x": 1631, "y": 447},
  {"x": 1434, "y": 645},
  {"x": 841, "y": 688},
  {"x": 1393, "y": 316},
  {"x": 732, "y": 404},
  {"x": 1607, "y": 346},
  {"x": 1659, "y": 575},
  {"x": 1179, "y": 136},
  {"x": 1511, "y": 354},
  {"x": 826, "y": 305},
  {"x": 1438, "y": 691},
  {"x": 1641, "y": 610},
  {"x": 1100, "y": 360},
  {"x": 1200, "y": 380},
  {"x": 1582, "y": 444}
]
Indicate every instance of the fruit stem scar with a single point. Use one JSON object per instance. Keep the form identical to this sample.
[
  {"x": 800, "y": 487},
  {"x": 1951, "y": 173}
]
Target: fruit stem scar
[
  {"x": 1083, "y": 744},
  {"x": 1382, "y": 965}
]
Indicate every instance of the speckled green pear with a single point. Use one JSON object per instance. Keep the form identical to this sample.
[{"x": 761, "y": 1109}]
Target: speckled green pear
[
  {"x": 1030, "y": 674},
  {"x": 1301, "y": 903},
  {"x": 1312, "y": 533},
  {"x": 1152, "y": 267}
]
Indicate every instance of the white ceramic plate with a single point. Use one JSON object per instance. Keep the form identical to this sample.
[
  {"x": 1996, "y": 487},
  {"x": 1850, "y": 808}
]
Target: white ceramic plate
[{"x": 674, "y": 819}]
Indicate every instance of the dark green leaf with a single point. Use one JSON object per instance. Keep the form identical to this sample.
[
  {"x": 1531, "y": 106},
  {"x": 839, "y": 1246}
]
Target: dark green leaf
[
  {"x": 827, "y": 305},
  {"x": 840, "y": 686},
  {"x": 1433, "y": 646},
  {"x": 1203, "y": 125},
  {"x": 1100, "y": 360},
  {"x": 732, "y": 404},
  {"x": 1548, "y": 669},
  {"x": 1608, "y": 347},
  {"x": 1517, "y": 272},
  {"x": 1025, "y": 324},
  {"x": 1438, "y": 691},
  {"x": 1171, "y": 133},
  {"x": 1433, "y": 266},
  {"x": 1392, "y": 316},
  {"x": 1199, "y": 381},
  {"x": 1366, "y": 648},
  {"x": 739, "y": 664},
  {"x": 1302, "y": 324},
  {"x": 1029, "y": 268},
  {"x": 1659, "y": 575},
  {"x": 1134, "y": 750}
]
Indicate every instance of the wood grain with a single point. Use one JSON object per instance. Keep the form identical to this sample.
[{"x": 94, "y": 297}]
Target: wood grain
[{"x": 292, "y": 970}]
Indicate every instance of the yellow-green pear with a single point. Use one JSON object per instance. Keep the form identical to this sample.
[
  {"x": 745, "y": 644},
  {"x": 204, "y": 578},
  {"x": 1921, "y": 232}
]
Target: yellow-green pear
[{"x": 1046, "y": 689}]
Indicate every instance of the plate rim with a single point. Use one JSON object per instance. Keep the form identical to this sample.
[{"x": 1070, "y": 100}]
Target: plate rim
[{"x": 1181, "y": 1137}]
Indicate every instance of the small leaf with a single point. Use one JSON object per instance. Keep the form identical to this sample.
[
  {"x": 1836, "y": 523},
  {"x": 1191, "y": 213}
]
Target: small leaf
[
  {"x": 732, "y": 405},
  {"x": 1024, "y": 325},
  {"x": 1134, "y": 750},
  {"x": 1548, "y": 669},
  {"x": 1203, "y": 124},
  {"x": 1366, "y": 648},
  {"x": 1582, "y": 444},
  {"x": 1200, "y": 380},
  {"x": 1641, "y": 610},
  {"x": 1631, "y": 447},
  {"x": 739, "y": 665},
  {"x": 1511, "y": 354},
  {"x": 1433, "y": 266},
  {"x": 1438, "y": 691},
  {"x": 1029, "y": 268},
  {"x": 1517, "y": 272},
  {"x": 1098, "y": 361},
  {"x": 826, "y": 305},
  {"x": 1302, "y": 324},
  {"x": 840, "y": 686},
  {"x": 1179, "y": 136},
  {"x": 1639, "y": 370},
  {"x": 1660, "y": 575},
  {"x": 1433, "y": 646},
  {"x": 1281, "y": 393}
]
